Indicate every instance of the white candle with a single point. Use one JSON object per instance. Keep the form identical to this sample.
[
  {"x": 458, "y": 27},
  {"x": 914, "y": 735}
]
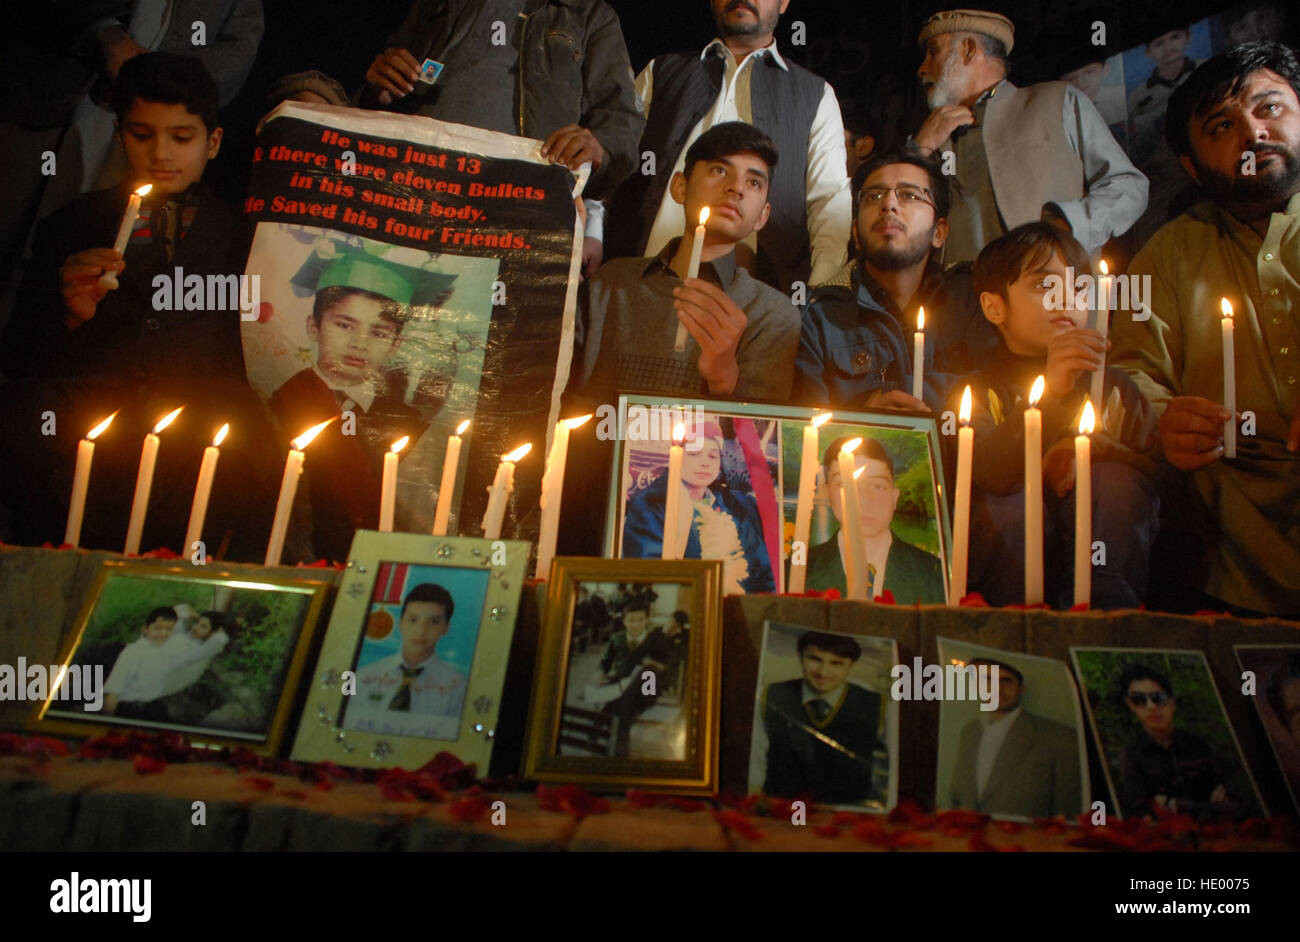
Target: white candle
[
  {"x": 693, "y": 271},
  {"x": 288, "y": 488},
  {"x": 918, "y": 355},
  {"x": 552, "y": 491},
  {"x": 499, "y": 492},
  {"x": 203, "y": 491},
  {"x": 961, "y": 506},
  {"x": 1229, "y": 381},
  {"x": 81, "y": 481},
  {"x": 388, "y": 488},
  {"x": 809, "y": 461},
  {"x": 1083, "y": 507},
  {"x": 144, "y": 484},
  {"x": 851, "y": 523},
  {"x": 129, "y": 217},
  {"x": 1098, "y": 388},
  {"x": 673, "y": 495},
  {"x": 450, "y": 466},
  {"x": 1034, "y": 496}
]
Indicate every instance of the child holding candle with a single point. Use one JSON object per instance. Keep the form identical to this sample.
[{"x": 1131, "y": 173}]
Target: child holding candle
[{"x": 1013, "y": 278}]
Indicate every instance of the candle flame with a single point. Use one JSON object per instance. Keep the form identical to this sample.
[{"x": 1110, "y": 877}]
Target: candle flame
[
  {"x": 579, "y": 422},
  {"x": 398, "y": 445},
  {"x": 704, "y": 215},
  {"x": 920, "y": 319},
  {"x": 679, "y": 433},
  {"x": 167, "y": 420},
  {"x": 819, "y": 420},
  {"x": 305, "y": 439},
  {"x": 143, "y": 191},
  {"x": 220, "y": 436},
  {"x": 964, "y": 413},
  {"x": 858, "y": 473},
  {"x": 1036, "y": 391},
  {"x": 1226, "y": 307},
  {"x": 1104, "y": 269},
  {"x": 460, "y": 429},
  {"x": 1088, "y": 420},
  {"x": 518, "y": 452},
  {"x": 95, "y": 432},
  {"x": 851, "y": 445}
]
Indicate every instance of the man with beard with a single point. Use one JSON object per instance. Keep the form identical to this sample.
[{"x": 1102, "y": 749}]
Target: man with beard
[
  {"x": 1235, "y": 126},
  {"x": 1018, "y": 154},
  {"x": 741, "y": 76},
  {"x": 855, "y": 349}
]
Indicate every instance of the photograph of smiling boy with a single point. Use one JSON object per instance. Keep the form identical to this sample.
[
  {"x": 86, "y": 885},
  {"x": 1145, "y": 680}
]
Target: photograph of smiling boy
[
  {"x": 1013, "y": 277},
  {"x": 1164, "y": 734},
  {"x": 821, "y": 728}
]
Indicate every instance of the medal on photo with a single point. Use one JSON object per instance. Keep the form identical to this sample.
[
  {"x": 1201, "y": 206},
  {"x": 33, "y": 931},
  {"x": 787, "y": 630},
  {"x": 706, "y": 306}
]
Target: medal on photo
[{"x": 430, "y": 69}]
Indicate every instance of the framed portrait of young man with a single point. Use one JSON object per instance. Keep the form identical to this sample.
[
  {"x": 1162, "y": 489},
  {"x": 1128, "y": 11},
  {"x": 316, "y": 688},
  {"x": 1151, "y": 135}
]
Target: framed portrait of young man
[{"x": 737, "y": 495}]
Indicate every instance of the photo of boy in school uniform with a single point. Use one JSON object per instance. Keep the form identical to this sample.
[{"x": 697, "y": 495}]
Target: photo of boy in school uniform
[{"x": 134, "y": 687}]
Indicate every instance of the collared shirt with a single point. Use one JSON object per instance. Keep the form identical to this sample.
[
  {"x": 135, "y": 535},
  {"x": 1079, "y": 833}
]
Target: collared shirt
[
  {"x": 138, "y": 672},
  {"x": 627, "y": 329},
  {"x": 993, "y": 733},
  {"x": 437, "y": 697},
  {"x": 1202, "y": 256},
  {"x": 832, "y": 698},
  {"x": 359, "y": 394},
  {"x": 827, "y": 200}
]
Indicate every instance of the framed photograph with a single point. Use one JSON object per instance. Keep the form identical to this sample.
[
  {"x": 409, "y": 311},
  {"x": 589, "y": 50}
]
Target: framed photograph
[
  {"x": 415, "y": 656},
  {"x": 1277, "y": 701},
  {"x": 626, "y": 691},
  {"x": 1014, "y": 749},
  {"x": 740, "y": 491},
  {"x": 1163, "y": 734},
  {"x": 215, "y": 654},
  {"x": 825, "y": 727}
]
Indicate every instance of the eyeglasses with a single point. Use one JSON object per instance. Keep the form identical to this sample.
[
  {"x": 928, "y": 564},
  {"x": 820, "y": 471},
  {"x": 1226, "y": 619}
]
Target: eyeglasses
[
  {"x": 1159, "y": 698},
  {"x": 908, "y": 194}
]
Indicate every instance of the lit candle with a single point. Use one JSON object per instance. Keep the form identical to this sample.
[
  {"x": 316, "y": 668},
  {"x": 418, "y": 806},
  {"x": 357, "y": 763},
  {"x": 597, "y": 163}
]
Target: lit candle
[
  {"x": 1229, "y": 381},
  {"x": 851, "y": 523},
  {"x": 109, "y": 278},
  {"x": 961, "y": 506},
  {"x": 81, "y": 481},
  {"x": 552, "y": 491},
  {"x": 918, "y": 355},
  {"x": 1098, "y": 388},
  {"x": 288, "y": 488},
  {"x": 1083, "y": 507},
  {"x": 809, "y": 461},
  {"x": 693, "y": 271},
  {"x": 1034, "y": 496},
  {"x": 203, "y": 491},
  {"x": 450, "y": 466},
  {"x": 144, "y": 484},
  {"x": 388, "y": 490},
  {"x": 673, "y": 494},
  {"x": 499, "y": 492}
]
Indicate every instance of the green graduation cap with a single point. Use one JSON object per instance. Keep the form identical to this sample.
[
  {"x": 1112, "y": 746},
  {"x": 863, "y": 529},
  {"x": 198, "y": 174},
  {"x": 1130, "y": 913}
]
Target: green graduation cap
[{"x": 350, "y": 267}]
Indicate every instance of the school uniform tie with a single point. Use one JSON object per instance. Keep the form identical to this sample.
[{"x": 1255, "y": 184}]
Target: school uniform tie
[
  {"x": 402, "y": 699},
  {"x": 820, "y": 709}
]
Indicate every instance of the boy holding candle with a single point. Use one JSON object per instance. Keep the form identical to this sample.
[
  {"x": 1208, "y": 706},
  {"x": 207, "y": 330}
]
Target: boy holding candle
[{"x": 1016, "y": 276}]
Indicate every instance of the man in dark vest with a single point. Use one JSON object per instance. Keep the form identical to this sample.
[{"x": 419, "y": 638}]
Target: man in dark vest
[
  {"x": 741, "y": 76},
  {"x": 821, "y": 728}
]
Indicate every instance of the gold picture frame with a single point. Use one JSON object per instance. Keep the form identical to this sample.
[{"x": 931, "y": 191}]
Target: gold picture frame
[
  {"x": 591, "y": 733},
  {"x": 258, "y": 605},
  {"x": 457, "y": 691}
]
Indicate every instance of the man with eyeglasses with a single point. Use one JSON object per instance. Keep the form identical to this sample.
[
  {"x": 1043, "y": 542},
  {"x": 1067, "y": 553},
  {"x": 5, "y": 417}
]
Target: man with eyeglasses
[
  {"x": 1165, "y": 768},
  {"x": 856, "y": 345}
]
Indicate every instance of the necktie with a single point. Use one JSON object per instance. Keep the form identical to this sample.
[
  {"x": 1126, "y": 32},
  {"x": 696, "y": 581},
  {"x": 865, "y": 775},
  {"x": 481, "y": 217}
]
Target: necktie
[
  {"x": 402, "y": 699},
  {"x": 164, "y": 228},
  {"x": 820, "y": 709}
]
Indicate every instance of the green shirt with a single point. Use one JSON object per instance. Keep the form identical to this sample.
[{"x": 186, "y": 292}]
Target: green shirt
[
  {"x": 1204, "y": 255},
  {"x": 911, "y": 574}
]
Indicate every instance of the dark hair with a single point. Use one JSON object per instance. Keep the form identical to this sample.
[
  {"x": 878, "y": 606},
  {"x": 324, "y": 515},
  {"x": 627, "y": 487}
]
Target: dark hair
[
  {"x": 730, "y": 137},
  {"x": 839, "y": 645},
  {"x": 1283, "y": 674},
  {"x": 869, "y": 447},
  {"x": 1025, "y": 248},
  {"x": 938, "y": 182},
  {"x": 169, "y": 78},
  {"x": 1219, "y": 78},
  {"x": 327, "y": 298},
  {"x": 681, "y": 617},
  {"x": 1000, "y": 665},
  {"x": 430, "y": 592},
  {"x": 637, "y": 603},
  {"x": 860, "y": 123},
  {"x": 165, "y": 612},
  {"x": 216, "y": 619},
  {"x": 1142, "y": 672}
]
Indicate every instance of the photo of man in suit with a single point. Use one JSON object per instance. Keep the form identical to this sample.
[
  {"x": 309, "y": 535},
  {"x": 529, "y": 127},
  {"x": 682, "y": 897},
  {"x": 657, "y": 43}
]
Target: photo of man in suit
[
  {"x": 822, "y": 727},
  {"x": 1011, "y": 762}
]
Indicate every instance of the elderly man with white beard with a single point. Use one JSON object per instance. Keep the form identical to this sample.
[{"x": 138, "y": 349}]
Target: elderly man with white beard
[{"x": 1016, "y": 155}]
